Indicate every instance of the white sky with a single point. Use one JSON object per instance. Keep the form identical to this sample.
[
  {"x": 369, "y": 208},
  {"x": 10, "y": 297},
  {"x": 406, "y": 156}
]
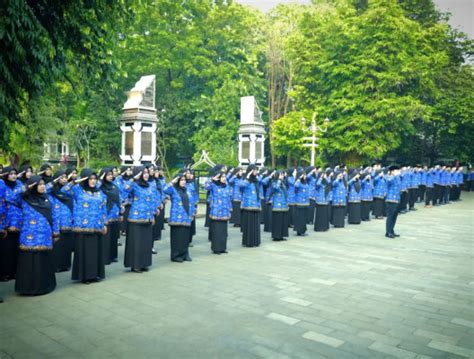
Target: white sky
[{"x": 462, "y": 11}]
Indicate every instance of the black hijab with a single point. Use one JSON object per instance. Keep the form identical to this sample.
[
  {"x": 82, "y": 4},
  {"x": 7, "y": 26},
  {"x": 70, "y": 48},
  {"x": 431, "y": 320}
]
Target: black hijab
[
  {"x": 125, "y": 176},
  {"x": 56, "y": 191},
  {"x": 182, "y": 192},
  {"x": 356, "y": 182},
  {"x": 218, "y": 182},
  {"x": 38, "y": 201},
  {"x": 86, "y": 173},
  {"x": 253, "y": 179},
  {"x": 141, "y": 182},
  {"x": 110, "y": 189},
  {"x": 6, "y": 172},
  {"x": 70, "y": 170},
  {"x": 25, "y": 169},
  {"x": 43, "y": 168}
]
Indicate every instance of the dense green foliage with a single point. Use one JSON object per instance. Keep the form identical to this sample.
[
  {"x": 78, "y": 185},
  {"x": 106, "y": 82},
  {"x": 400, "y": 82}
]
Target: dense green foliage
[{"x": 390, "y": 75}]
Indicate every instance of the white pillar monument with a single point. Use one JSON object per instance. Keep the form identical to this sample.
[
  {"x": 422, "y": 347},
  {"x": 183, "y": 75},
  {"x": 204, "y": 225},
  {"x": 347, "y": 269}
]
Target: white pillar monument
[
  {"x": 139, "y": 124},
  {"x": 251, "y": 133}
]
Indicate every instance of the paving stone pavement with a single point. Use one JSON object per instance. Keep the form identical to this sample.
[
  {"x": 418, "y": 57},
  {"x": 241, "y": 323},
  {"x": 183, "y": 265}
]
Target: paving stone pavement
[{"x": 346, "y": 293}]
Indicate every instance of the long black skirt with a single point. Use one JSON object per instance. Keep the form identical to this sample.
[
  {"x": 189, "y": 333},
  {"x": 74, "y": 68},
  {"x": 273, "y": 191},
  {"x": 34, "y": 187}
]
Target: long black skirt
[
  {"x": 138, "y": 245},
  {"x": 192, "y": 230},
  {"x": 311, "y": 210},
  {"x": 280, "y": 221},
  {"x": 292, "y": 215},
  {"x": 250, "y": 228},
  {"x": 208, "y": 211},
  {"x": 35, "y": 273},
  {"x": 179, "y": 242},
  {"x": 9, "y": 255},
  {"x": 301, "y": 215},
  {"x": 62, "y": 251},
  {"x": 235, "y": 216},
  {"x": 262, "y": 206},
  {"x": 114, "y": 230},
  {"x": 321, "y": 222},
  {"x": 354, "y": 213},
  {"x": 378, "y": 207},
  {"x": 106, "y": 247},
  {"x": 157, "y": 228},
  {"x": 338, "y": 216},
  {"x": 88, "y": 261},
  {"x": 161, "y": 217},
  {"x": 267, "y": 217},
  {"x": 365, "y": 210},
  {"x": 218, "y": 230},
  {"x": 124, "y": 224}
]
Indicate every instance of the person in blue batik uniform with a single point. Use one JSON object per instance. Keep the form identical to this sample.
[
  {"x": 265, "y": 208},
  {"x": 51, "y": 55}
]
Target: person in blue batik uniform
[
  {"x": 12, "y": 224},
  {"x": 139, "y": 242},
  {"x": 290, "y": 180},
  {"x": 160, "y": 219},
  {"x": 302, "y": 202},
  {"x": 339, "y": 194},
  {"x": 193, "y": 190},
  {"x": 392, "y": 200},
  {"x": 366, "y": 195},
  {"x": 404, "y": 184},
  {"x": 250, "y": 207},
  {"x": 354, "y": 197},
  {"x": 89, "y": 225},
  {"x": 236, "y": 196},
  {"x": 322, "y": 194},
  {"x": 220, "y": 211},
  {"x": 380, "y": 191},
  {"x": 122, "y": 182},
  {"x": 114, "y": 209},
  {"x": 280, "y": 209},
  {"x": 36, "y": 269},
  {"x": 181, "y": 217},
  {"x": 63, "y": 205}
]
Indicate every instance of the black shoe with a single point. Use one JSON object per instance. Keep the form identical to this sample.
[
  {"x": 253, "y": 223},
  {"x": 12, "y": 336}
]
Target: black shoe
[
  {"x": 188, "y": 259},
  {"x": 135, "y": 270},
  {"x": 217, "y": 253},
  {"x": 395, "y": 235},
  {"x": 389, "y": 236},
  {"x": 153, "y": 251},
  {"x": 1, "y": 300},
  {"x": 119, "y": 244},
  {"x": 144, "y": 269},
  {"x": 225, "y": 252},
  {"x": 302, "y": 234},
  {"x": 179, "y": 260},
  {"x": 115, "y": 260},
  {"x": 191, "y": 245}
]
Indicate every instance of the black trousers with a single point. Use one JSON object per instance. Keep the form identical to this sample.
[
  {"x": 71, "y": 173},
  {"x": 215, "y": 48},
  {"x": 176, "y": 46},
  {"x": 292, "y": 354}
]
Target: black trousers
[
  {"x": 392, "y": 214},
  {"x": 429, "y": 196},
  {"x": 412, "y": 194},
  {"x": 402, "y": 205},
  {"x": 421, "y": 192}
]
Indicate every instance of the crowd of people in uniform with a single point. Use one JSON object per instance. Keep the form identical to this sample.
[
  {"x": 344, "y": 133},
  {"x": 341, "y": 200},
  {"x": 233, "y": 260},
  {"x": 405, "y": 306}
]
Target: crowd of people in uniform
[{"x": 69, "y": 221}]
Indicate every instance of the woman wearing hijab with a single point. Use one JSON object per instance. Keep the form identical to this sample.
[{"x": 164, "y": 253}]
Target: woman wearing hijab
[
  {"x": 89, "y": 219},
  {"x": 366, "y": 196},
  {"x": 71, "y": 173},
  {"x": 63, "y": 205},
  {"x": 339, "y": 194},
  {"x": 290, "y": 180},
  {"x": 266, "y": 187},
  {"x": 139, "y": 243},
  {"x": 181, "y": 217},
  {"x": 26, "y": 171},
  {"x": 278, "y": 198},
  {"x": 311, "y": 180},
  {"x": 13, "y": 223},
  {"x": 354, "y": 198},
  {"x": 302, "y": 202},
  {"x": 193, "y": 191},
  {"x": 46, "y": 173},
  {"x": 125, "y": 197},
  {"x": 36, "y": 270},
  {"x": 112, "y": 192},
  {"x": 236, "y": 197},
  {"x": 250, "y": 208},
  {"x": 221, "y": 207},
  {"x": 380, "y": 191},
  {"x": 323, "y": 197},
  {"x": 160, "y": 217}
]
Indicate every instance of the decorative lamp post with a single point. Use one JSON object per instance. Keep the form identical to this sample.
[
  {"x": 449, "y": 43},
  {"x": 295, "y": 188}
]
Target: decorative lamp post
[
  {"x": 251, "y": 133},
  {"x": 139, "y": 124},
  {"x": 313, "y": 140}
]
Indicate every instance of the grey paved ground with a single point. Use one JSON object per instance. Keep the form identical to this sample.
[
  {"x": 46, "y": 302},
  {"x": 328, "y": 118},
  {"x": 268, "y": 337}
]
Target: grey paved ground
[{"x": 342, "y": 294}]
